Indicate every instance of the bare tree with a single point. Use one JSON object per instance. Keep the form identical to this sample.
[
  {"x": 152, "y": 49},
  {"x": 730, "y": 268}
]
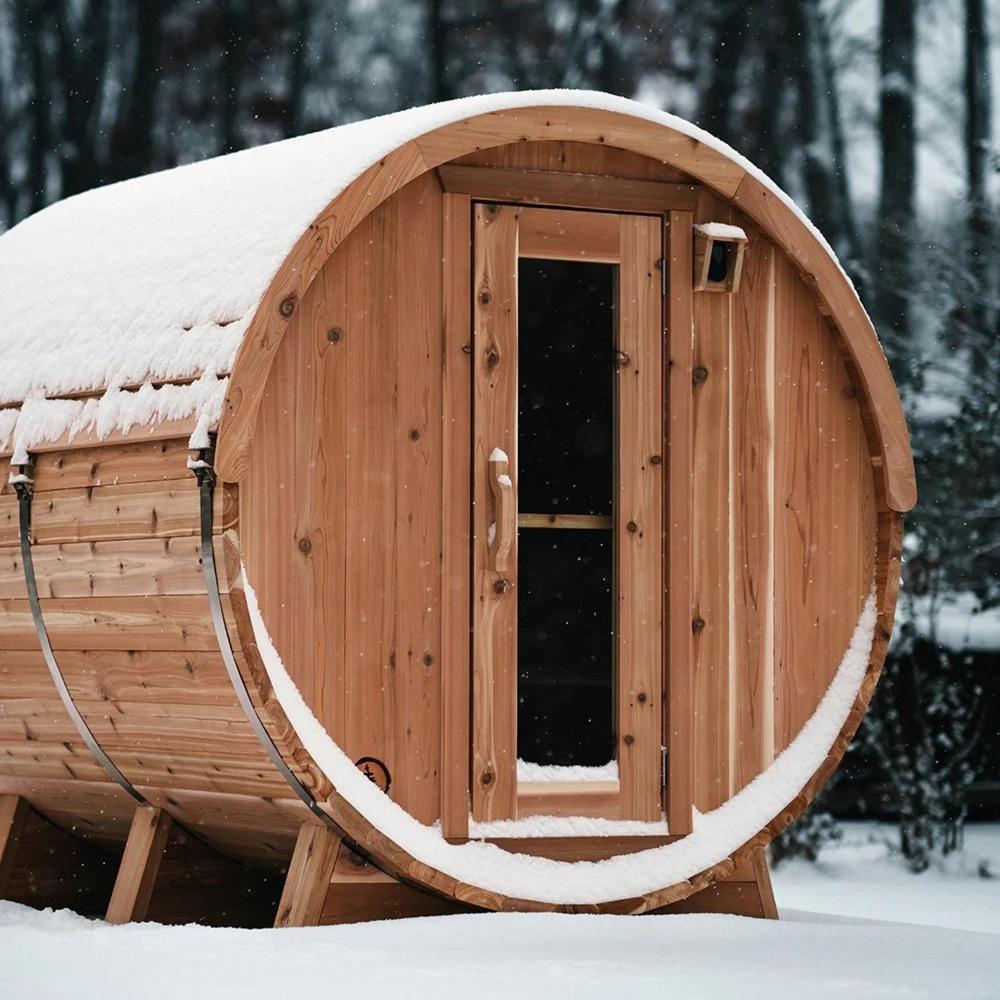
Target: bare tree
[{"x": 897, "y": 137}]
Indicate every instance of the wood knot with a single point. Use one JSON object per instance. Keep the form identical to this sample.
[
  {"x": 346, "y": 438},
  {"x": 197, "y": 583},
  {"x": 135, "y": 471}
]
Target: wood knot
[
  {"x": 699, "y": 374},
  {"x": 697, "y": 625},
  {"x": 492, "y": 358},
  {"x": 629, "y": 739},
  {"x": 484, "y": 298},
  {"x": 501, "y": 586},
  {"x": 414, "y": 434},
  {"x": 641, "y": 697},
  {"x": 632, "y": 527},
  {"x": 334, "y": 334},
  {"x": 428, "y": 659},
  {"x": 305, "y": 546},
  {"x": 288, "y": 305},
  {"x": 487, "y": 778},
  {"x": 655, "y": 459}
]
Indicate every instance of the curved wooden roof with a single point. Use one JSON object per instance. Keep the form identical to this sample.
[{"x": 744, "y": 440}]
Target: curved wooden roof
[{"x": 200, "y": 268}]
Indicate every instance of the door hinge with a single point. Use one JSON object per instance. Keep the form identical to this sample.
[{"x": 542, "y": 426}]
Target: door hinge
[
  {"x": 663, "y": 276},
  {"x": 663, "y": 767}
]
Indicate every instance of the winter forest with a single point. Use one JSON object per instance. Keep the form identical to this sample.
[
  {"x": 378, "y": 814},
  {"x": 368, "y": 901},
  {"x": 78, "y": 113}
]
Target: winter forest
[{"x": 879, "y": 116}]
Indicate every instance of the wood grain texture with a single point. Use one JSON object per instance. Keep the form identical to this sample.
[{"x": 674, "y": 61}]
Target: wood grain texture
[
  {"x": 494, "y": 616},
  {"x": 557, "y": 234},
  {"x": 140, "y": 863},
  {"x": 308, "y": 878},
  {"x": 639, "y": 541},
  {"x": 456, "y": 515},
  {"x": 679, "y": 404},
  {"x": 824, "y": 507},
  {"x": 711, "y": 485},
  {"x": 752, "y": 511},
  {"x": 575, "y": 190}
]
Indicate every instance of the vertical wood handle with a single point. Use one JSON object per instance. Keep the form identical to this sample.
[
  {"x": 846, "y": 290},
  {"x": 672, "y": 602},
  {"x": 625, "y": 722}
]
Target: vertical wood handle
[{"x": 501, "y": 537}]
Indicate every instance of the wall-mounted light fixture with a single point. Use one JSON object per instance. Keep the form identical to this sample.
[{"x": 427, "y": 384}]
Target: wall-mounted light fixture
[{"x": 718, "y": 257}]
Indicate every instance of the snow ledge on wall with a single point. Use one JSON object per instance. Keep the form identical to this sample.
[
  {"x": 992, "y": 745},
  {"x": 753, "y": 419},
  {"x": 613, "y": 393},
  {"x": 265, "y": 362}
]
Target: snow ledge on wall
[{"x": 716, "y": 835}]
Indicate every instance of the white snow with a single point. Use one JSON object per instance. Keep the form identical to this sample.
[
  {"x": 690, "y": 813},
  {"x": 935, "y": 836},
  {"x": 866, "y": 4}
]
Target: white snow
[
  {"x": 51, "y": 956},
  {"x": 864, "y": 876},
  {"x": 721, "y": 231},
  {"x": 157, "y": 278},
  {"x": 567, "y": 826},
  {"x": 498, "y": 455},
  {"x": 47, "y": 420},
  {"x": 716, "y": 834},
  {"x": 504, "y": 480},
  {"x": 527, "y": 771}
]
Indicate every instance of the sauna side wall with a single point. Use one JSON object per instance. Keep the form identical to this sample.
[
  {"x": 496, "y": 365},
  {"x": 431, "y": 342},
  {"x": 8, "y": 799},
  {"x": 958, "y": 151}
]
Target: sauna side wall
[{"x": 117, "y": 558}]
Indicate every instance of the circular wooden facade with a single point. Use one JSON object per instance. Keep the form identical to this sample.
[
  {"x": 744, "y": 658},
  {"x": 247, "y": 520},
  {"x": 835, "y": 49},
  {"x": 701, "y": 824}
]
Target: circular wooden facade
[{"x": 345, "y": 496}]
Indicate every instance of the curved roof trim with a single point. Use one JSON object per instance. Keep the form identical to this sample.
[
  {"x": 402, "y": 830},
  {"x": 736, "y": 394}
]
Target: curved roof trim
[{"x": 583, "y": 117}]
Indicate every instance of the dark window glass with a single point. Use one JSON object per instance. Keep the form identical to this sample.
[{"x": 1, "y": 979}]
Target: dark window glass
[
  {"x": 565, "y": 646},
  {"x": 565, "y": 375},
  {"x": 566, "y": 335}
]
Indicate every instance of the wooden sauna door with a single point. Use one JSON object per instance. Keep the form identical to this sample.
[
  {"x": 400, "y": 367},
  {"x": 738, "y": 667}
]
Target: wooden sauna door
[{"x": 568, "y": 537}]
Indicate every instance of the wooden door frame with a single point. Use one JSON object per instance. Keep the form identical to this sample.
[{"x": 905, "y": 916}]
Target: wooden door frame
[{"x": 674, "y": 203}]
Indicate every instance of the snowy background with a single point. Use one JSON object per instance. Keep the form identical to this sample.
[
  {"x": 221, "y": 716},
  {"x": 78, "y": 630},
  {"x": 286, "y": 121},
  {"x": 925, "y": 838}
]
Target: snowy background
[{"x": 881, "y": 118}]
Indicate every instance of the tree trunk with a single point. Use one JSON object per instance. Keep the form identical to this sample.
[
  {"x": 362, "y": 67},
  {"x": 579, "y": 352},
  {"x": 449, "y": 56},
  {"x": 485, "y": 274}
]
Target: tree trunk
[
  {"x": 727, "y": 52},
  {"x": 977, "y": 146},
  {"x": 437, "y": 36},
  {"x": 893, "y": 269}
]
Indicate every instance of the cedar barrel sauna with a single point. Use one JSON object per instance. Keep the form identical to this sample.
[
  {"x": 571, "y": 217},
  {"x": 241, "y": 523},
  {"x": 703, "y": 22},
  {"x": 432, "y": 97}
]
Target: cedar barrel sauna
[{"x": 496, "y": 505}]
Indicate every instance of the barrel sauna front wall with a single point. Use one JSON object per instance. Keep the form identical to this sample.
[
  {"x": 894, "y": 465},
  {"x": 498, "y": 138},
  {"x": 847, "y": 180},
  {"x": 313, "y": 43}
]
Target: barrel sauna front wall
[{"x": 354, "y": 529}]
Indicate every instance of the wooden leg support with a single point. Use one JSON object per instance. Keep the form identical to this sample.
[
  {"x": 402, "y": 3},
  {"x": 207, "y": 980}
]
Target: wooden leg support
[
  {"x": 14, "y": 812},
  {"x": 308, "y": 879},
  {"x": 746, "y": 893},
  {"x": 144, "y": 849}
]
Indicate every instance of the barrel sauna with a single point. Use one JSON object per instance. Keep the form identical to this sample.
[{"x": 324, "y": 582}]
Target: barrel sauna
[{"x": 402, "y": 514}]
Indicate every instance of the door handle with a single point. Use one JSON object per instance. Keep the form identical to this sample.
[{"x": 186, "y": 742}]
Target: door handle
[{"x": 500, "y": 536}]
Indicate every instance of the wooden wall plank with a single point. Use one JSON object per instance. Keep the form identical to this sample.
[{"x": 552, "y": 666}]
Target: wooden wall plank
[
  {"x": 574, "y": 157},
  {"x": 639, "y": 518},
  {"x": 494, "y": 626},
  {"x": 710, "y": 485},
  {"x": 104, "y": 465},
  {"x": 456, "y": 513},
  {"x": 104, "y": 513},
  {"x": 171, "y": 623},
  {"x": 140, "y": 863},
  {"x": 824, "y": 503},
  {"x": 679, "y": 722},
  {"x": 139, "y": 567},
  {"x": 753, "y": 435},
  {"x": 370, "y": 662},
  {"x": 417, "y": 326}
]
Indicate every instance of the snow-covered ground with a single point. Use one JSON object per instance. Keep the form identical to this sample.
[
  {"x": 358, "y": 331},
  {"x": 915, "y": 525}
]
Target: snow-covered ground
[
  {"x": 934, "y": 935},
  {"x": 862, "y": 877}
]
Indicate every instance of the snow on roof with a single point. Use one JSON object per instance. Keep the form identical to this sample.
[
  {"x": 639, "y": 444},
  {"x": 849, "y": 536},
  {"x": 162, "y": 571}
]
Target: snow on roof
[{"x": 157, "y": 278}]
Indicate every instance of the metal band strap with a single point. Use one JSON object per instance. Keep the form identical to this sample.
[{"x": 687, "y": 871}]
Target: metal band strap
[
  {"x": 205, "y": 475},
  {"x": 25, "y": 492}
]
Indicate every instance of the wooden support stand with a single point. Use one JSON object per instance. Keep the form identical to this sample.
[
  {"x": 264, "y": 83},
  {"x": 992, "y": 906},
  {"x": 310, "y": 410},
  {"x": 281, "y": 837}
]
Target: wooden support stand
[
  {"x": 746, "y": 893},
  {"x": 313, "y": 861},
  {"x": 144, "y": 849}
]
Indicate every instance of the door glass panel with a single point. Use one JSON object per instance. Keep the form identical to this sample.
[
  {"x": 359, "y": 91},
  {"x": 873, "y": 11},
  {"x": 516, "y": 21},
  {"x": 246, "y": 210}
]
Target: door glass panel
[
  {"x": 566, "y": 432},
  {"x": 565, "y": 375}
]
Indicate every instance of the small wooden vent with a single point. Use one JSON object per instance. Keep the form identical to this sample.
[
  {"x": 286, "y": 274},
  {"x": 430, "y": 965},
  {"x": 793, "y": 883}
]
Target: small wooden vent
[{"x": 718, "y": 257}]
